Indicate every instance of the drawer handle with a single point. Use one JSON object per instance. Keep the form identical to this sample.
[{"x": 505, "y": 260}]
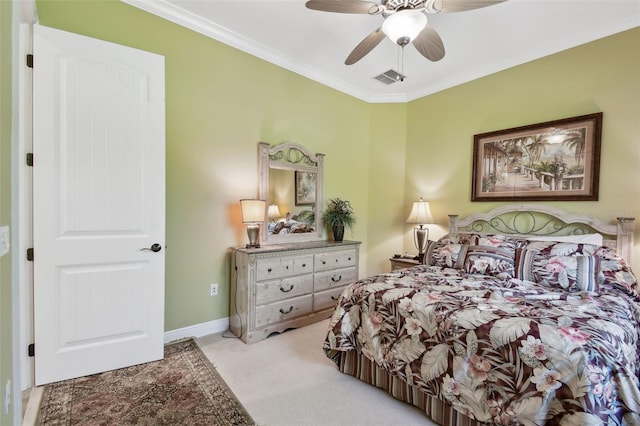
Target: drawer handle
[
  {"x": 334, "y": 298},
  {"x": 324, "y": 262},
  {"x": 286, "y": 291},
  {"x": 287, "y": 266},
  {"x": 349, "y": 259},
  {"x": 304, "y": 265},
  {"x": 288, "y": 312},
  {"x": 269, "y": 270},
  {"x": 336, "y": 280}
]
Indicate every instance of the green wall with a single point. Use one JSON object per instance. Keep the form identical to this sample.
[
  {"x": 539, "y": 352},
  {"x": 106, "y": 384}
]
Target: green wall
[
  {"x": 220, "y": 102},
  {"x": 6, "y": 363},
  {"x": 387, "y": 208},
  {"x": 599, "y": 76}
]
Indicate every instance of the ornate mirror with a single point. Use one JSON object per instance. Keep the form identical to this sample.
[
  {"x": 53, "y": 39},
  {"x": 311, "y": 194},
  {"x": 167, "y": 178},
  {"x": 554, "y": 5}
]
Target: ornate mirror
[{"x": 291, "y": 183}]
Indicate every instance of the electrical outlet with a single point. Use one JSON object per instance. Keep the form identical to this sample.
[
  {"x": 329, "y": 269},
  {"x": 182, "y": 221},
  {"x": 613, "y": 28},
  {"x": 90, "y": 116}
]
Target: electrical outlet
[{"x": 214, "y": 290}]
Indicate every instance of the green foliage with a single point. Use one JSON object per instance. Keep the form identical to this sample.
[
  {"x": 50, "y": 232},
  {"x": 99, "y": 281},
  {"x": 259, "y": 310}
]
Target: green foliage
[
  {"x": 575, "y": 170},
  {"x": 489, "y": 182},
  {"x": 544, "y": 167},
  {"x": 339, "y": 212},
  {"x": 306, "y": 216}
]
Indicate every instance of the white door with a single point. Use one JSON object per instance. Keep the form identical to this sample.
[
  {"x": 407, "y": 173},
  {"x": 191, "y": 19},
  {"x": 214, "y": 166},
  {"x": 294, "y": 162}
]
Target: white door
[{"x": 99, "y": 205}]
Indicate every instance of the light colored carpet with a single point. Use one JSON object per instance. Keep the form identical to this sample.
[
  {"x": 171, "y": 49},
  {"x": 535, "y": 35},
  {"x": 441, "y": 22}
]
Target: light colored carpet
[{"x": 287, "y": 380}]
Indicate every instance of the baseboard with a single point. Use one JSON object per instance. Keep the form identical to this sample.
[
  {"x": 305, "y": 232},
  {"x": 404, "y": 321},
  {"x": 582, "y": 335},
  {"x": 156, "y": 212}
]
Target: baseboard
[{"x": 197, "y": 330}]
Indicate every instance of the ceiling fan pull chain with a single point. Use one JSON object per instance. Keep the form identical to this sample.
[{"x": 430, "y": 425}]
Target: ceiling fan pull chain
[{"x": 400, "y": 61}]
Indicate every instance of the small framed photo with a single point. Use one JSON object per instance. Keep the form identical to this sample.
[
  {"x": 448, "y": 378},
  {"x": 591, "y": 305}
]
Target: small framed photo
[
  {"x": 305, "y": 188},
  {"x": 555, "y": 161}
]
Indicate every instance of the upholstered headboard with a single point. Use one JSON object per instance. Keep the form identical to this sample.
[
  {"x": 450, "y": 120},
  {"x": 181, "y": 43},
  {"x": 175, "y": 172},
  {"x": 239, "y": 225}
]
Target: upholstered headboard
[{"x": 539, "y": 219}]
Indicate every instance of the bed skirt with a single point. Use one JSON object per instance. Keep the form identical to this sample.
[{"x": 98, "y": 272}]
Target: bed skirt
[{"x": 357, "y": 365}]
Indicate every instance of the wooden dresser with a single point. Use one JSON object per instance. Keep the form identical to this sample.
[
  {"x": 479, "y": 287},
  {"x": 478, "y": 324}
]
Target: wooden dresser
[{"x": 283, "y": 286}]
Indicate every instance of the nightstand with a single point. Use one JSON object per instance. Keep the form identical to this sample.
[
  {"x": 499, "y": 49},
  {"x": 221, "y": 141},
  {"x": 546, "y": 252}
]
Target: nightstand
[{"x": 403, "y": 262}]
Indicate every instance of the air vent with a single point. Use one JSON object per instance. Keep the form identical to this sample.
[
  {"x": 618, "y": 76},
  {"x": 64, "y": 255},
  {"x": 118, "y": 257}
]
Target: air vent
[{"x": 390, "y": 77}]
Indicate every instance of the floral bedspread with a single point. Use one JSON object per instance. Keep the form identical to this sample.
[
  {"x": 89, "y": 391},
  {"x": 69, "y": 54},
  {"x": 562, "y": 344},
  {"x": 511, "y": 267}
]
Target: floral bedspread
[{"x": 506, "y": 352}]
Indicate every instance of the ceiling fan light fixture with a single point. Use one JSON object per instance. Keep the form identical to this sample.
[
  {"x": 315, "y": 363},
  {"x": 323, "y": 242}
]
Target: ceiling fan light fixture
[{"x": 403, "y": 25}]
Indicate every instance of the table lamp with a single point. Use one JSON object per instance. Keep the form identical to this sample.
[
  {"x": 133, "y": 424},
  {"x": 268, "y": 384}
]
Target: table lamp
[
  {"x": 253, "y": 215},
  {"x": 274, "y": 212},
  {"x": 420, "y": 215}
]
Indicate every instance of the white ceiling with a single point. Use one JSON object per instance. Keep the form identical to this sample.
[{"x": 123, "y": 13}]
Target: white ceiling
[{"x": 477, "y": 42}]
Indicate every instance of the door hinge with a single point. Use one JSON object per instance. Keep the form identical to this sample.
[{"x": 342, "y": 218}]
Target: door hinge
[
  {"x": 30, "y": 159},
  {"x": 29, "y": 60},
  {"x": 30, "y": 254},
  {"x": 31, "y": 349}
]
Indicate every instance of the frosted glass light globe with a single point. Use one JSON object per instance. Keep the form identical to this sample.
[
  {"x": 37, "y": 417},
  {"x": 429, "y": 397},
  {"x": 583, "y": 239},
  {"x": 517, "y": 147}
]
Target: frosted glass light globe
[{"x": 404, "y": 26}]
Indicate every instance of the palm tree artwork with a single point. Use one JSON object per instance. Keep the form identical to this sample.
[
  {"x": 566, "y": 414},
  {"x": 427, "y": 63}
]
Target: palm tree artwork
[{"x": 552, "y": 160}]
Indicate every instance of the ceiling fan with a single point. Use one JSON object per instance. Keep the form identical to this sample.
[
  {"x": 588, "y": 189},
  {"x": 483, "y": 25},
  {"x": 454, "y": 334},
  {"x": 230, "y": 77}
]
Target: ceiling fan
[{"x": 405, "y": 21}]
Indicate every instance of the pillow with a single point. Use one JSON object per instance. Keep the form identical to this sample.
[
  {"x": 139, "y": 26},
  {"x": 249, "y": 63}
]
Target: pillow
[
  {"x": 490, "y": 254},
  {"x": 494, "y": 240},
  {"x": 555, "y": 248},
  {"x": 490, "y": 260},
  {"x": 465, "y": 238},
  {"x": 445, "y": 254},
  {"x": 593, "y": 239},
  {"x": 615, "y": 272},
  {"x": 572, "y": 273}
]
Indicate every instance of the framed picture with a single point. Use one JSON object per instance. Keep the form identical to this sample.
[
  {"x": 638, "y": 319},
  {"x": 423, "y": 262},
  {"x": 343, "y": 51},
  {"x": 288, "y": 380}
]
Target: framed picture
[
  {"x": 305, "y": 188},
  {"x": 555, "y": 161}
]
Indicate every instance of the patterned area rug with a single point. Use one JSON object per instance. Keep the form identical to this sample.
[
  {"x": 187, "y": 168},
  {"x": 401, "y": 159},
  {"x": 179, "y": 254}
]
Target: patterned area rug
[{"x": 183, "y": 388}]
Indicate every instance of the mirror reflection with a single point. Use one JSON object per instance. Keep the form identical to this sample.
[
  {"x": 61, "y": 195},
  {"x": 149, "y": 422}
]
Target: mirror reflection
[
  {"x": 291, "y": 202},
  {"x": 291, "y": 183}
]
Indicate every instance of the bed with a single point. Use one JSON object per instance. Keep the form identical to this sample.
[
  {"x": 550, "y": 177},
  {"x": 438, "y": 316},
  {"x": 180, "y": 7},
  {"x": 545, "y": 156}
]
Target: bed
[{"x": 525, "y": 315}]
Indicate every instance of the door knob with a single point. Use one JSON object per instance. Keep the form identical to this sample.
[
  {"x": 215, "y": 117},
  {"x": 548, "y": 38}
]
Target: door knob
[{"x": 154, "y": 248}]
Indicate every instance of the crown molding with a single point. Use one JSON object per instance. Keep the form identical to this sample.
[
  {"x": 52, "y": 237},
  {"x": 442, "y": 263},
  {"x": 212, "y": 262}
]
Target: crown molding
[
  {"x": 588, "y": 35},
  {"x": 217, "y": 32},
  {"x": 175, "y": 14}
]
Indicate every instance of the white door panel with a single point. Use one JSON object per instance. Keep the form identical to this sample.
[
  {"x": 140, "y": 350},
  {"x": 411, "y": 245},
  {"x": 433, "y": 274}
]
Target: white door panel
[{"x": 99, "y": 194}]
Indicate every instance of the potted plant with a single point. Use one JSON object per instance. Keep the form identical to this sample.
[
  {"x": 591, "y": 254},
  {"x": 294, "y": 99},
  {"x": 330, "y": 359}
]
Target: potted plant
[{"x": 338, "y": 215}]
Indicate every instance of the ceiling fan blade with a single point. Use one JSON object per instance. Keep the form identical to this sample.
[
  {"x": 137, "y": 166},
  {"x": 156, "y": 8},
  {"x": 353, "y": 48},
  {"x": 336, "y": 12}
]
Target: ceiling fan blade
[
  {"x": 429, "y": 44},
  {"x": 345, "y": 6},
  {"x": 447, "y": 6},
  {"x": 365, "y": 46}
]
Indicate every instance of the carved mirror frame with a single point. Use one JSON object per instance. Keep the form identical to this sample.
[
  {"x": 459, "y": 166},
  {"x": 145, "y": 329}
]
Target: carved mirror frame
[{"x": 294, "y": 157}]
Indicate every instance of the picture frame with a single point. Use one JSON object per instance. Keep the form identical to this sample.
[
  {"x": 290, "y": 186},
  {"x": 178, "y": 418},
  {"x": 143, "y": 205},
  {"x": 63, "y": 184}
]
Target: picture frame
[
  {"x": 305, "y": 188},
  {"x": 554, "y": 161}
]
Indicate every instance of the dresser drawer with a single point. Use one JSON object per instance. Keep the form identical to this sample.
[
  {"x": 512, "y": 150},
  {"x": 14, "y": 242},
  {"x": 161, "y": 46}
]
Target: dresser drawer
[
  {"x": 335, "y": 260},
  {"x": 285, "y": 286},
  {"x": 332, "y": 279},
  {"x": 282, "y": 311},
  {"x": 269, "y": 269},
  {"x": 327, "y": 299},
  {"x": 273, "y": 291}
]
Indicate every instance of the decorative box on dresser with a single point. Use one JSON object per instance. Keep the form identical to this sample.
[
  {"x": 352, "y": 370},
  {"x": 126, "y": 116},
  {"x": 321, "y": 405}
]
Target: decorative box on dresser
[{"x": 277, "y": 287}]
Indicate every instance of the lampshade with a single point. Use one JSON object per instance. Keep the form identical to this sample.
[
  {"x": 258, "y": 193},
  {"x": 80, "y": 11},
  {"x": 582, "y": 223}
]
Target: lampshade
[
  {"x": 274, "y": 211},
  {"x": 420, "y": 213},
  {"x": 252, "y": 210},
  {"x": 404, "y": 26}
]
